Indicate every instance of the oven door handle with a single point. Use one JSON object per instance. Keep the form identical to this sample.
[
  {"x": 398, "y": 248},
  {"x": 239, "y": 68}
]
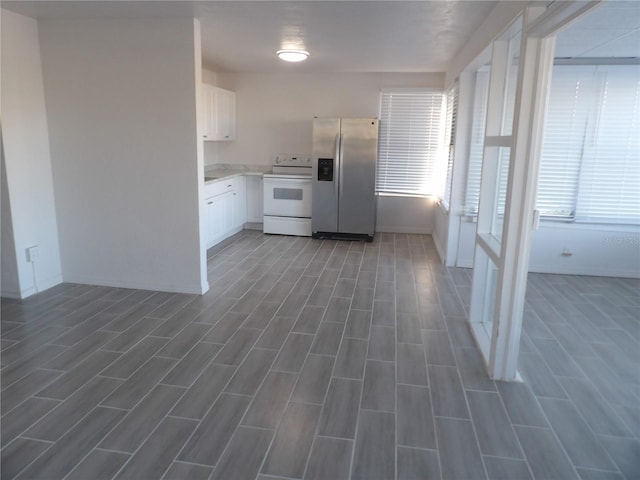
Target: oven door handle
[
  {"x": 337, "y": 168},
  {"x": 270, "y": 180}
]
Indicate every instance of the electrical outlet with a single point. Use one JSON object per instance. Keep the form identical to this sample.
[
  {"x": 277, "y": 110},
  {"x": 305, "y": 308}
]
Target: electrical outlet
[{"x": 33, "y": 253}]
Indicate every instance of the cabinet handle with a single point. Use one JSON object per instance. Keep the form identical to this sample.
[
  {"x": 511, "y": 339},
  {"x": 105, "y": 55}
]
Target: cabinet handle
[
  {"x": 209, "y": 203},
  {"x": 229, "y": 186}
]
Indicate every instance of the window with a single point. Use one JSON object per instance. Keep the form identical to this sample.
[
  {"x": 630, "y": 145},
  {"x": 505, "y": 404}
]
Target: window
[
  {"x": 410, "y": 142},
  {"x": 476, "y": 144},
  {"x": 450, "y": 137},
  {"x": 564, "y": 135},
  {"x": 590, "y": 163}
]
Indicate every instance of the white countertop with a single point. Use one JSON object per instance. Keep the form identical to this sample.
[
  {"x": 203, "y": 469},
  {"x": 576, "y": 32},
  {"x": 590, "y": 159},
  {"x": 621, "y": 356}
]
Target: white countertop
[{"x": 221, "y": 170}]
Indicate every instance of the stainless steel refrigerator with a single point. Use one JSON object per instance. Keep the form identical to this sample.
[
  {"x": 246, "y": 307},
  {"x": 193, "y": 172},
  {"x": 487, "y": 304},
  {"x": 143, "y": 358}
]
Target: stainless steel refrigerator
[{"x": 345, "y": 151}]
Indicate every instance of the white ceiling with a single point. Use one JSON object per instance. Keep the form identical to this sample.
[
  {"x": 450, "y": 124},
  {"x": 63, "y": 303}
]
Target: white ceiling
[
  {"x": 342, "y": 36},
  {"x": 379, "y": 36},
  {"x": 611, "y": 30},
  {"x": 349, "y": 36}
]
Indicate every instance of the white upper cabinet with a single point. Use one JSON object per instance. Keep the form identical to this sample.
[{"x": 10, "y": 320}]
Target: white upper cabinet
[
  {"x": 226, "y": 112},
  {"x": 207, "y": 110},
  {"x": 219, "y": 113}
]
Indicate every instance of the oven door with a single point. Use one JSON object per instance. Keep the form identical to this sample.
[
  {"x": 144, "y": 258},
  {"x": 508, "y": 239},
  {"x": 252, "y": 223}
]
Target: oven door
[{"x": 287, "y": 197}]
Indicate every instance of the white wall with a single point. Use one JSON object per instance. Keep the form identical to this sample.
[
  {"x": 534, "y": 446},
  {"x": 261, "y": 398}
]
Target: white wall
[
  {"x": 9, "y": 281},
  {"x": 29, "y": 185},
  {"x": 597, "y": 250},
  {"x": 466, "y": 242},
  {"x": 275, "y": 113},
  {"x": 198, "y": 75},
  {"x": 121, "y": 101},
  {"x": 441, "y": 231},
  {"x": 405, "y": 214},
  {"x": 496, "y": 22}
]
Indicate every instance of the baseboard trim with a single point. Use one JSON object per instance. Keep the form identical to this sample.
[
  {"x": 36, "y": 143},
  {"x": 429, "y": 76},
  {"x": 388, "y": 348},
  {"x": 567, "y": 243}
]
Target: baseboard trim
[
  {"x": 573, "y": 271},
  {"x": 419, "y": 231},
  {"x": 439, "y": 248},
  {"x": 27, "y": 292},
  {"x": 464, "y": 264},
  {"x": 11, "y": 294},
  {"x": 157, "y": 287},
  {"x": 589, "y": 272},
  {"x": 253, "y": 226}
]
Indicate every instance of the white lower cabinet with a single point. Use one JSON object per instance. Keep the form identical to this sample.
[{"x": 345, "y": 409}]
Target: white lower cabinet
[
  {"x": 239, "y": 202},
  {"x": 254, "y": 199},
  {"x": 219, "y": 217},
  {"x": 225, "y": 209}
]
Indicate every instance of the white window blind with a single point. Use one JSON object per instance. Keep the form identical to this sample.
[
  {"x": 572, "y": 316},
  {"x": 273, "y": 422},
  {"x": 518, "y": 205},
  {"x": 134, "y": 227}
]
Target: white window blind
[
  {"x": 450, "y": 137},
  {"x": 609, "y": 188},
  {"x": 590, "y": 165},
  {"x": 570, "y": 100},
  {"x": 476, "y": 144},
  {"x": 504, "y": 154},
  {"x": 409, "y": 142}
]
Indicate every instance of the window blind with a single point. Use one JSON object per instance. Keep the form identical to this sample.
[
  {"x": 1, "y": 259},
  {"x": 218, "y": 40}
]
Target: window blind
[
  {"x": 590, "y": 164},
  {"x": 450, "y": 137},
  {"x": 590, "y": 161},
  {"x": 503, "y": 172},
  {"x": 409, "y": 141},
  {"x": 570, "y": 100},
  {"x": 609, "y": 185},
  {"x": 476, "y": 144}
]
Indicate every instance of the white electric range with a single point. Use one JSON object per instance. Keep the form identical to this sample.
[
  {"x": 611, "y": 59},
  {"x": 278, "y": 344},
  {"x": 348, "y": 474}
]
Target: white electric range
[{"x": 287, "y": 196}]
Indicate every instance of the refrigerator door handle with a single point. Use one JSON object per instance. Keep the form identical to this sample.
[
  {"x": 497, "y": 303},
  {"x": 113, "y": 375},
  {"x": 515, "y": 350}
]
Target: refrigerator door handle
[{"x": 338, "y": 164}]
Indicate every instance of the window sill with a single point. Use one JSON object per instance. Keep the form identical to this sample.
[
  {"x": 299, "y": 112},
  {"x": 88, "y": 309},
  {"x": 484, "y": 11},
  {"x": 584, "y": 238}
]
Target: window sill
[
  {"x": 569, "y": 223},
  {"x": 410, "y": 195}
]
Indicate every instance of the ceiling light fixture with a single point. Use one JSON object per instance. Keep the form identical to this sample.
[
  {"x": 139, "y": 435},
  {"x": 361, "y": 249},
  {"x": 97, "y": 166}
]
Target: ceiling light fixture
[{"x": 289, "y": 55}]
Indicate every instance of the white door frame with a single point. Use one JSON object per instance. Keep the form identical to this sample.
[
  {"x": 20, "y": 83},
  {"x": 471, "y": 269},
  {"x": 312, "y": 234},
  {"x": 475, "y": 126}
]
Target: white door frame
[{"x": 534, "y": 74}]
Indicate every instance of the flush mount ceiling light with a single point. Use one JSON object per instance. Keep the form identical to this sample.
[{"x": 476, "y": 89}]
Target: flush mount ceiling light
[{"x": 289, "y": 55}]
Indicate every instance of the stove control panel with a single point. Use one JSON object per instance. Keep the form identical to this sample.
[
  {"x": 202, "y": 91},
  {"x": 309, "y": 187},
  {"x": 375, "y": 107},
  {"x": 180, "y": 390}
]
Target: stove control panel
[{"x": 294, "y": 160}]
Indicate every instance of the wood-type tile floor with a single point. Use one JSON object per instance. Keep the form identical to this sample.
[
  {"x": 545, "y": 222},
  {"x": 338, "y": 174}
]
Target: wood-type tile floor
[{"x": 318, "y": 360}]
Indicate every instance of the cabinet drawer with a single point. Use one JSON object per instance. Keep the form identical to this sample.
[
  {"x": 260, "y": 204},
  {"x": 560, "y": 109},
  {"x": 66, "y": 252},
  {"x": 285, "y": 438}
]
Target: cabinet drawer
[{"x": 221, "y": 186}]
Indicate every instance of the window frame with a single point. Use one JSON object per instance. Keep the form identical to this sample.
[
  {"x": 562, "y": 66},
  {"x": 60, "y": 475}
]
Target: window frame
[
  {"x": 452, "y": 100},
  {"x": 398, "y": 176},
  {"x": 564, "y": 212}
]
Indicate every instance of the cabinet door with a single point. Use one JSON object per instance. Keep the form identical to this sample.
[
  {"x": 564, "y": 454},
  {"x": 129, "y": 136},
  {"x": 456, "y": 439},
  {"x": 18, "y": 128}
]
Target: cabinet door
[
  {"x": 219, "y": 217},
  {"x": 239, "y": 202},
  {"x": 209, "y": 112},
  {"x": 219, "y": 113},
  {"x": 213, "y": 224},
  {"x": 217, "y": 121},
  {"x": 228, "y": 114},
  {"x": 226, "y": 218},
  {"x": 254, "y": 199}
]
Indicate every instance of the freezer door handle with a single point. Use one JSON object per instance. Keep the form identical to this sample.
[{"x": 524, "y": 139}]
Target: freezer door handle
[{"x": 338, "y": 164}]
